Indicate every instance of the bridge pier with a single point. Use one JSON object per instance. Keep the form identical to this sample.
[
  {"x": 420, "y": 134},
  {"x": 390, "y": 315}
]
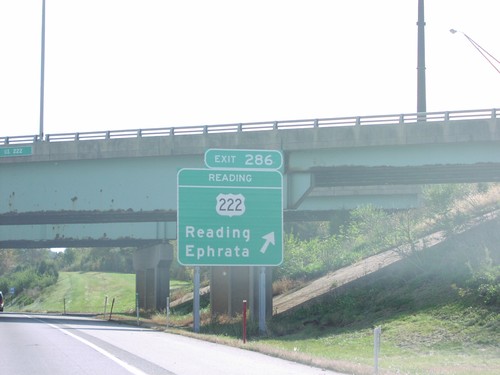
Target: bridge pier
[
  {"x": 229, "y": 286},
  {"x": 152, "y": 275}
]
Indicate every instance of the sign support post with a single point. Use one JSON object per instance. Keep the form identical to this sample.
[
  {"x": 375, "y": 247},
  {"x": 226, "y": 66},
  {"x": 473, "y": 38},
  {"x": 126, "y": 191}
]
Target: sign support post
[
  {"x": 196, "y": 300},
  {"x": 262, "y": 300}
]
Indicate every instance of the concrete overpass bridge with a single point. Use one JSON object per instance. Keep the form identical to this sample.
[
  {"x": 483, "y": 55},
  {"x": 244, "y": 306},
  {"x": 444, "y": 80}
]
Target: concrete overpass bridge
[{"x": 118, "y": 188}]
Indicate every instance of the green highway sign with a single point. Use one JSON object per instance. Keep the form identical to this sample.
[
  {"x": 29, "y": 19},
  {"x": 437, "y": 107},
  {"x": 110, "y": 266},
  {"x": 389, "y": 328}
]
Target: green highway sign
[
  {"x": 6, "y": 152},
  {"x": 227, "y": 217},
  {"x": 243, "y": 159}
]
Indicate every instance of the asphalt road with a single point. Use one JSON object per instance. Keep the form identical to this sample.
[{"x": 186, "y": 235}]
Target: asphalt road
[{"x": 50, "y": 344}]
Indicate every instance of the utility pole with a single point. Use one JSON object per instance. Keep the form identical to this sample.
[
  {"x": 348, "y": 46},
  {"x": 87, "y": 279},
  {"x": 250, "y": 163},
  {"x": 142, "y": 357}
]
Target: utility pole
[
  {"x": 421, "y": 91},
  {"x": 42, "y": 73}
]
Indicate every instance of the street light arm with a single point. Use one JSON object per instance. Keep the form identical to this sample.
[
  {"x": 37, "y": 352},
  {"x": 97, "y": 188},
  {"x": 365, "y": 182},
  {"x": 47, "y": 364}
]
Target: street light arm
[{"x": 481, "y": 50}]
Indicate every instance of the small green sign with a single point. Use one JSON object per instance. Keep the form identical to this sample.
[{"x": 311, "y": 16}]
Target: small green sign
[
  {"x": 6, "y": 152},
  {"x": 232, "y": 218},
  {"x": 243, "y": 159}
]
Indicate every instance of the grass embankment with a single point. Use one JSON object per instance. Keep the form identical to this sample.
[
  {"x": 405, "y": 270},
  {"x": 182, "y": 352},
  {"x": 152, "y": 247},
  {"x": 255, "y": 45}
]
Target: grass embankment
[
  {"x": 427, "y": 328},
  {"x": 434, "y": 319},
  {"x": 86, "y": 292}
]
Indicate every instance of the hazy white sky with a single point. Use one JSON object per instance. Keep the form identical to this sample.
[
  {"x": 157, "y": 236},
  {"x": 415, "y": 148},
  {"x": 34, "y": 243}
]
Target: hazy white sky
[{"x": 121, "y": 64}]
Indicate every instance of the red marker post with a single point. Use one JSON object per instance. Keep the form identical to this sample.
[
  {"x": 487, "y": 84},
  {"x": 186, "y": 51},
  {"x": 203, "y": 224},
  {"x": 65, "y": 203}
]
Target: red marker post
[{"x": 244, "y": 321}]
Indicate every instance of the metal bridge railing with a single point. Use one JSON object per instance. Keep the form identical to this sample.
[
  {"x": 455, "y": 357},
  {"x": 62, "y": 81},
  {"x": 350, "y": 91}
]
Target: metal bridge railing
[{"x": 409, "y": 118}]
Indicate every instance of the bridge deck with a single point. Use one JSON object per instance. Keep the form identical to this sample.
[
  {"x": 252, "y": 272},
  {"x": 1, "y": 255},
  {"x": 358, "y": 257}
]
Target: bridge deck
[{"x": 117, "y": 186}]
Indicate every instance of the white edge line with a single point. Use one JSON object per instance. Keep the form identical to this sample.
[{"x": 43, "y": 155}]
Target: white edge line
[{"x": 126, "y": 366}]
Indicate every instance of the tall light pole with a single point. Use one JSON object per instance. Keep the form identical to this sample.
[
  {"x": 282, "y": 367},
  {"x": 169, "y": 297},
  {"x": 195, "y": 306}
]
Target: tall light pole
[
  {"x": 488, "y": 56},
  {"x": 421, "y": 90},
  {"x": 42, "y": 72}
]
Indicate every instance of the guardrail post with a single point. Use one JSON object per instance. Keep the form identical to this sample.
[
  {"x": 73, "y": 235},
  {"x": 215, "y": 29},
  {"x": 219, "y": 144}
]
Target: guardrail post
[
  {"x": 275, "y": 125},
  {"x": 494, "y": 113},
  {"x": 167, "y": 311},
  {"x": 401, "y": 118},
  {"x": 315, "y": 123},
  {"x": 112, "y": 306},
  {"x": 447, "y": 116},
  {"x": 358, "y": 121},
  {"x": 137, "y": 307},
  {"x": 105, "y": 306}
]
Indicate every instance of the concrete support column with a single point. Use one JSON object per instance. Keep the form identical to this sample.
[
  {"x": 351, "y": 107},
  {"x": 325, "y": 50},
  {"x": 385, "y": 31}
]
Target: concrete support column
[
  {"x": 229, "y": 286},
  {"x": 220, "y": 286},
  {"x": 152, "y": 275},
  {"x": 162, "y": 284}
]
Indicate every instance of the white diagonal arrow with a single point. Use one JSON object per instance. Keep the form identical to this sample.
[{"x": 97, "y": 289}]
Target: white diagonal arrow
[{"x": 269, "y": 240}]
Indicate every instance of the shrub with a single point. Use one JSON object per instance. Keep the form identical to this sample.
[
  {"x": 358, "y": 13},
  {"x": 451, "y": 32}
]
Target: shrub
[
  {"x": 36, "y": 277},
  {"x": 484, "y": 286}
]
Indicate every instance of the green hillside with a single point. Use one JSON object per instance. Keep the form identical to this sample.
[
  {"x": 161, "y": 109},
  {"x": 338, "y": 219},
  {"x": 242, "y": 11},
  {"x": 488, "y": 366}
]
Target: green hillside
[
  {"x": 85, "y": 292},
  {"x": 439, "y": 311}
]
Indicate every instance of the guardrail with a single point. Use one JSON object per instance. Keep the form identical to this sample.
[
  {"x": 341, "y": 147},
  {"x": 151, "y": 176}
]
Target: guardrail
[{"x": 409, "y": 118}]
